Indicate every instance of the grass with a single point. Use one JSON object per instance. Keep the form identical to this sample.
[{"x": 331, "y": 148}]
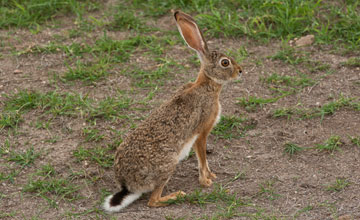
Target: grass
[
  {"x": 355, "y": 140},
  {"x": 9, "y": 119},
  {"x": 266, "y": 20},
  {"x": 67, "y": 104},
  {"x": 227, "y": 203},
  {"x": 327, "y": 109},
  {"x": 352, "y": 62},
  {"x": 252, "y": 103},
  {"x": 300, "y": 81},
  {"x": 331, "y": 145},
  {"x": 291, "y": 148},
  {"x": 289, "y": 55},
  {"x": 47, "y": 184},
  {"x": 268, "y": 190},
  {"x": 88, "y": 72},
  {"x": 339, "y": 185},
  {"x": 23, "y": 159},
  {"x": 28, "y": 13},
  {"x": 100, "y": 155},
  {"x": 232, "y": 127},
  {"x": 9, "y": 176},
  {"x": 92, "y": 135},
  {"x": 124, "y": 19},
  {"x": 51, "y": 102}
]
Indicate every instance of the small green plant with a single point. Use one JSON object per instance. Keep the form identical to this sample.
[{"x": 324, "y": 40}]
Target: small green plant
[
  {"x": 291, "y": 148},
  {"x": 232, "y": 127},
  {"x": 52, "y": 189},
  {"x": 267, "y": 189},
  {"x": 355, "y": 140},
  {"x": 125, "y": 19},
  {"x": 31, "y": 13},
  {"x": 99, "y": 155},
  {"x": 252, "y": 102},
  {"x": 25, "y": 158},
  {"x": 5, "y": 147},
  {"x": 111, "y": 107},
  {"x": 331, "y": 145},
  {"x": 289, "y": 55},
  {"x": 92, "y": 134},
  {"x": 10, "y": 119},
  {"x": 10, "y": 176},
  {"x": 352, "y": 62},
  {"x": 338, "y": 185},
  {"x": 217, "y": 195},
  {"x": 88, "y": 72},
  {"x": 300, "y": 81}
]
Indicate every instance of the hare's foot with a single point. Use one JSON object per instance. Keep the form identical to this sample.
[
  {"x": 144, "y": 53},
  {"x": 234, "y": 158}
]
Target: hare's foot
[
  {"x": 206, "y": 182},
  {"x": 211, "y": 175},
  {"x": 161, "y": 201},
  {"x": 206, "y": 177}
]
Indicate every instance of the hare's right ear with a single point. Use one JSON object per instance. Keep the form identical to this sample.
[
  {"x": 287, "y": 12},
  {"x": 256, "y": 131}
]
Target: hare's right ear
[{"x": 191, "y": 33}]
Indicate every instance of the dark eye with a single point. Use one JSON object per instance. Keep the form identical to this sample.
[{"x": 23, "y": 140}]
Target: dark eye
[{"x": 225, "y": 62}]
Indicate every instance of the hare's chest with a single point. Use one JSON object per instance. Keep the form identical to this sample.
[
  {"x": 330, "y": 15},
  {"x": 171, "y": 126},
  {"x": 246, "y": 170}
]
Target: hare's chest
[
  {"x": 185, "y": 150},
  {"x": 218, "y": 116}
]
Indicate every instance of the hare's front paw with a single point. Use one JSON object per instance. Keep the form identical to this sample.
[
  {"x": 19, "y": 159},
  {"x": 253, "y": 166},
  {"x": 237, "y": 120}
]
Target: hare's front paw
[
  {"x": 206, "y": 182},
  {"x": 211, "y": 175}
]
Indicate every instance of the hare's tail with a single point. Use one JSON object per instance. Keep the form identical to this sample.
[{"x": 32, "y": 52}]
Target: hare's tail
[{"x": 120, "y": 200}]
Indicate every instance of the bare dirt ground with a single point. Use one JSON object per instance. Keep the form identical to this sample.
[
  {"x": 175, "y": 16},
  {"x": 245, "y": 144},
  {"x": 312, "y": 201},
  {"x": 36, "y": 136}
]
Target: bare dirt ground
[{"x": 273, "y": 184}]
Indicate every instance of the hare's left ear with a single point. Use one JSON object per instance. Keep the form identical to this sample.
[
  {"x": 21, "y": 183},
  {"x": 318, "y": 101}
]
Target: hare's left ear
[{"x": 191, "y": 33}]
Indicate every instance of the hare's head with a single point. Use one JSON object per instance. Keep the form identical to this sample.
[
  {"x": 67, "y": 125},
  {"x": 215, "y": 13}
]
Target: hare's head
[{"x": 216, "y": 65}]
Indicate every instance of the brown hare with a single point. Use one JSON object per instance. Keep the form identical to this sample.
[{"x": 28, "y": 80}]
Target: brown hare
[{"x": 147, "y": 158}]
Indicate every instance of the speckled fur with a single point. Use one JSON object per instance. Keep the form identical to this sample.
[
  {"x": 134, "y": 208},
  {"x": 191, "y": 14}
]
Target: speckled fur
[{"x": 148, "y": 156}]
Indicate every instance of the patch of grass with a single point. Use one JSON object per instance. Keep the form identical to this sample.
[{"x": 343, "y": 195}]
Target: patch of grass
[
  {"x": 289, "y": 112},
  {"x": 301, "y": 81},
  {"x": 219, "y": 194},
  {"x": 92, "y": 135},
  {"x": 291, "y": 148},
  {"x": 352, "y": 62},
  {"x": 24, "y": 158},
  {"x": 303, "y": 210},
  {"x": 289, "y": 55},
  {"x": 5, "y": 147},
  {"x": 331, "y": 145},
  {"x": 317, "y": 66},
  {"x": 331, "y": 107},
  {"x": 110, "y": 107},
  {"x": 151, "y": 78},
  {"x": 88, "y": 72},
  {"x": 325, "y": 110},
  {"x": 10, "y": 119},
  {"x": 28, "y": 13},
  {"x": 232, "y": 127},
  {"x": 252, "y": 102},
  {"x": 51, "y": 102},
  {"x": 7, "y": 214},
  {"x": 338, "y": 185},
  {"x": 126, "y": 19},
  {"x": 100, "y": 155},
  {"x": 267, "y": 189},
  {"x": 9, "y": 176},
  {"x": 51, "y": 188},
  {"x": 355, "y": 140}
]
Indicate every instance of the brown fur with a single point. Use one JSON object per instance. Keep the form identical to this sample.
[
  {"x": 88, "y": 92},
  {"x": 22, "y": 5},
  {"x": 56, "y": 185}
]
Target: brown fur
[{"x": 148, "y": 156}]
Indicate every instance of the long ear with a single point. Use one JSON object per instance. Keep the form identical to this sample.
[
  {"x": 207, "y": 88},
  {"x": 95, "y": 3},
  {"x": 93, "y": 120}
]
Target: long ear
[{"x": 191, "y": 33}]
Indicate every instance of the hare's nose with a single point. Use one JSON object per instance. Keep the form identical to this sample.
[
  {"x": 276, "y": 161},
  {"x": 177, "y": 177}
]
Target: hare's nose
[{"x": 240, "y": 71}]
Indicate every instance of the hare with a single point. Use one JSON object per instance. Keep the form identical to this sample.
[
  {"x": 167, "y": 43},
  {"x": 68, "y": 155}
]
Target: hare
[{"x": 148, "y": 156}]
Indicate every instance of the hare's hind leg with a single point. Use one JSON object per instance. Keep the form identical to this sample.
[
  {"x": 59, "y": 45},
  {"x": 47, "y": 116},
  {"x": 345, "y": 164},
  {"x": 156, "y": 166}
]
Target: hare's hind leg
[
  {"x": 205, "y": 175},
  {"x": 157, "y": 201}
]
